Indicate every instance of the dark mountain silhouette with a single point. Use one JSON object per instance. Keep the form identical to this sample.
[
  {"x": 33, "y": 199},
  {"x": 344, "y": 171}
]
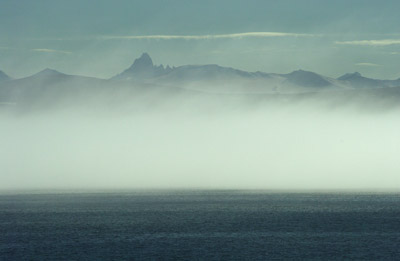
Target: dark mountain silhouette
[
  {"x": 145, "y": 77},
  {"x": 215, "y": 78},
  {"x": 308, "y": 79},
  {"x": 48, "y": 84},
  {"x": 142, "y": 68},
  {"x": 356, "y": 80}
]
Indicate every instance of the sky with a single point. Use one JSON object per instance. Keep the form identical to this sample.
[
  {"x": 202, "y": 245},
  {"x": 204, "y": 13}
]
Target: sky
[{"x": 101, "y": 38}]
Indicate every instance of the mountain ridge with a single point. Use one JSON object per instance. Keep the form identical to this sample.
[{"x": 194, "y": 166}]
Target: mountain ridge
[
  {"x": 143, "y": 69},
  {"x": 144, "y": 76}
]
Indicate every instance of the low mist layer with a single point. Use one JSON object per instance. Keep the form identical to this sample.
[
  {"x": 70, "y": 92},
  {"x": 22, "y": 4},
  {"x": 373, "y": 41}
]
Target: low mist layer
[{"x": 187, "y": 143}]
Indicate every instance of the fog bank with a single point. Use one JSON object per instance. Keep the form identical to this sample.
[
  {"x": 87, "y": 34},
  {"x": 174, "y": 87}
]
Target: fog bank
[{"x": 187, "y": 147}]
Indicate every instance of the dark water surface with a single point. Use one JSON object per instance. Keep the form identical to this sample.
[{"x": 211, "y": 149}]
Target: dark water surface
[{"x": 193, "y": 225}]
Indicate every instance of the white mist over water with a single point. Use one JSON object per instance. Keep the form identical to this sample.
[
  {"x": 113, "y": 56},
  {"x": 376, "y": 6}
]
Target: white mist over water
[{"x": 189, "y": 146}]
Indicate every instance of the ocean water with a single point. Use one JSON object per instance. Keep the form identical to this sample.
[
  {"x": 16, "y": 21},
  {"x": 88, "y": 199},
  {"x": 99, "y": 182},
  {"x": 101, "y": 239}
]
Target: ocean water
[{"x": 199, "y": 225}]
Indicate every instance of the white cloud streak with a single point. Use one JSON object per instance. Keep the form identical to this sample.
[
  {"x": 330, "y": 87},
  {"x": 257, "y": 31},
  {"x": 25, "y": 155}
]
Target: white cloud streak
[
  {"x": 368, "y": 64},
  {"x": 383, "y": 42},
  {"x": 208, "y": 36},
  {"x": 43, "y": 50}
]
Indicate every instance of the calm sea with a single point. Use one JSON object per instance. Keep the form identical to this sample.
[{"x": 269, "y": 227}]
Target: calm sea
[{"x": 199, "y": 225}]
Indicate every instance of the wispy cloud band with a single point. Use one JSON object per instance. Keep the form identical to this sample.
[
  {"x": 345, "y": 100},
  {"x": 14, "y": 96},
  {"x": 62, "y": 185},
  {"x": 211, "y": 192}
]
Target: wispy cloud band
[
  {"x": 209, "y": 36},
  {"x": 368, "y": 64},
  {"x": 383, "y": 42},
  {"x": 43, "y": 50}
]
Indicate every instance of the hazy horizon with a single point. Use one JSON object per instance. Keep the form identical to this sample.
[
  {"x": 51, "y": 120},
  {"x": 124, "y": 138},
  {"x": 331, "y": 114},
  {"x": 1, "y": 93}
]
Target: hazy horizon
[{"x": 200, "y": 127}]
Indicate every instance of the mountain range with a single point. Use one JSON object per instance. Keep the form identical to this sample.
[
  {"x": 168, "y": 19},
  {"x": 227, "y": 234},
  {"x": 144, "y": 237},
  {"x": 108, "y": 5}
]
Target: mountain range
[
  {"x": 143, "y": 76},
  {"x": 215, "y": 78}
]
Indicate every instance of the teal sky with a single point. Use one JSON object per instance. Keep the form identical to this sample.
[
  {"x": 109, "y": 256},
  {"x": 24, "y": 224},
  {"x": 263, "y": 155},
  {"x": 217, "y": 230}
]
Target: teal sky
[{"x": 101, "y": 38}]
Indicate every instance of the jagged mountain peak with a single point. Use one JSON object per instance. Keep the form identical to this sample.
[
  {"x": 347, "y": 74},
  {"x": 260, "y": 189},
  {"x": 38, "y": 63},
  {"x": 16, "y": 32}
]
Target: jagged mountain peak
[
  {"x": 142, "y": 68},
  {"x": 144, "y": 62}
]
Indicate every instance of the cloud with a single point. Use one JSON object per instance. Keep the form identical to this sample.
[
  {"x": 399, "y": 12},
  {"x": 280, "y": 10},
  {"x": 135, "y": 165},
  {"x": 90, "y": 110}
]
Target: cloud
[
  {"x": 209, "y": 36},
  {"x": 50, "y": 51},
  {"x": 383, "y": 42},
  {"x": 368, "y": 64}
]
